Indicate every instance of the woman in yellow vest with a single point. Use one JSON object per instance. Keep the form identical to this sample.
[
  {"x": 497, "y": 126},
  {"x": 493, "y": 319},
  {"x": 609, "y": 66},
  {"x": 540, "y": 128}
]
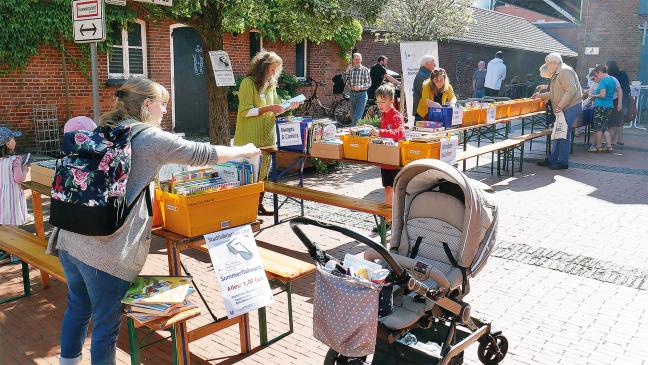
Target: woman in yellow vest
[
  {"x": 436, "y": 92},
  {"x": 259, "y": 106}
]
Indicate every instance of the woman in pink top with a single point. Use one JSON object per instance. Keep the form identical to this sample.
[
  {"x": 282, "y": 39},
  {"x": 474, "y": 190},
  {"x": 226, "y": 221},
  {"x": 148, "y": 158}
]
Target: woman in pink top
[{"x": 13, "y": 205}]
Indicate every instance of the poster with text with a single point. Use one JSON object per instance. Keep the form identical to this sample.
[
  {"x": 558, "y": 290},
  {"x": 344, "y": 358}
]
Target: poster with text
[
  {"x": 222, "y": 67},
  {"x": 243, "y": 283},
  {"x": 411, "y": 53}
]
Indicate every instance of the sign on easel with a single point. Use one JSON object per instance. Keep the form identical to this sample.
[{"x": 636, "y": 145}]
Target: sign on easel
[
  {"x": 243, "y": 283},
  {"x": 89, "y": 22}
]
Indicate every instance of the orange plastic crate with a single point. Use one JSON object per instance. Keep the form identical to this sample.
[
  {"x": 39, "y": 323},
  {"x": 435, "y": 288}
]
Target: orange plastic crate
[
  {"x": 536, "y": 105},
  {"x": 525, "y": 106},
  {"x": 514, "y": 108},
  {"x": 195, "y": 215},
  {"x": 470, "y": 117},
  {"x": 355, "y": 148},
  {"x": 412, "y": 151},
  {"x": 502, "y": 110}
]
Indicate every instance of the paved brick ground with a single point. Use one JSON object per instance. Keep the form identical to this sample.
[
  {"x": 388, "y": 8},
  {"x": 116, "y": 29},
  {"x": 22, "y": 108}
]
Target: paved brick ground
[{"x": 567, "y": 282}]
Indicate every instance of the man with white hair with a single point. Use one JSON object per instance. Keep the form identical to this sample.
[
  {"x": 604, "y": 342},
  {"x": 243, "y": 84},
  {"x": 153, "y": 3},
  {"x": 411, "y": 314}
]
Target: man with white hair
[
  {"x": 358, "y": 78},
  {"x": 428, "y": 64},
  {"x": 479, "y": 79},
  {"x": 565, "y": 95}
]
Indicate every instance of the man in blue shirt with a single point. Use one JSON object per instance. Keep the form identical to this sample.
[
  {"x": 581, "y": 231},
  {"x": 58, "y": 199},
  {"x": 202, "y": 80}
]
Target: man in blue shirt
[{"x": 603, "y": 104}]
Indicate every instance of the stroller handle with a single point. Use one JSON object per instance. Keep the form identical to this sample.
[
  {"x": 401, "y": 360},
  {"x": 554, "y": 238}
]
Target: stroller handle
[{"x": 318, "y": 254}]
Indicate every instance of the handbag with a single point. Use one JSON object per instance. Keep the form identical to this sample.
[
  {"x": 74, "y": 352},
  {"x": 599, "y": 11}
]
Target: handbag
[{"x": 560, "y": 128}]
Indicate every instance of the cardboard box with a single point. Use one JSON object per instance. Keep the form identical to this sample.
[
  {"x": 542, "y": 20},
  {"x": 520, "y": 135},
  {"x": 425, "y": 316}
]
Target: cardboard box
[
  {"x": 43, "y": 172},
  {"x": 384, "y": 154},
  {"x": 327, "y": 150}
]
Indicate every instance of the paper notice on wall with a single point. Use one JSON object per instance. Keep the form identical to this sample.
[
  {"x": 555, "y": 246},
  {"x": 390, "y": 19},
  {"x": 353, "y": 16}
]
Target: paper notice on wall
[
  {"x": 290, "y": 134},
  {"x": 491, "y": 115},
  {"x": 457, "y": 115},
  {"x": 449, "y": 150},
  {"x": 222, "y": 66},
  {"x": 243, "y": 283}
]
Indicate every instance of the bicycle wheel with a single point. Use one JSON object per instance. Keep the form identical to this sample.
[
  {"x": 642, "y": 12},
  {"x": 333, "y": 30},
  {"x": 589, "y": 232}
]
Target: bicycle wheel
[
  {"x": 341, "y": 112},
  {"x": 305, "y": 109}
]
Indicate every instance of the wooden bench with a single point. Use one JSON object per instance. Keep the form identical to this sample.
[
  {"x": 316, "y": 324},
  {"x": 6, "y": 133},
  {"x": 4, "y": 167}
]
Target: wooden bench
[
  {"x": 507, "y": 146},
  {"x": 30, "y": 249},
  {"x": 171, "y": 324},
  {"x": 377, "y": 209},
  {"x": 282, "y": 270}
]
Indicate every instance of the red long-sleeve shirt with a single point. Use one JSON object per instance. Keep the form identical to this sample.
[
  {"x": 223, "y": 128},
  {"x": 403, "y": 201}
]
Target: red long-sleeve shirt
[{"x": 392, "y": 125}]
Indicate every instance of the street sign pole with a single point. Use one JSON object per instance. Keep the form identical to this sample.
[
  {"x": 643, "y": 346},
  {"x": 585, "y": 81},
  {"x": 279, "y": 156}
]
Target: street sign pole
[{"x": 95, "y": 82}]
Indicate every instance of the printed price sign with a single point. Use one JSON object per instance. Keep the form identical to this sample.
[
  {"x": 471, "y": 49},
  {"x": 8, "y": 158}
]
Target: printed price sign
[
  {"x": 457, "y": 115},
  {"x": 243, "y": 282},
  {"x": 449, "y": 150},
  {"x": 222, "y": 66},
  {"x": 290, "y": 134},
  {"x": 491, "y": 115}
]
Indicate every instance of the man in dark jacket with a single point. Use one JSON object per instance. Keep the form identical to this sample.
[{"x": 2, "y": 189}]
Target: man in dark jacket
[{"x": 428, "y": 64}]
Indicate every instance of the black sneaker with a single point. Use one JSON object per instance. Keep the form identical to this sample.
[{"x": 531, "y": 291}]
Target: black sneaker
[
  {"x": 543, "y": 163},
  {"x": 559, "y": 166}
]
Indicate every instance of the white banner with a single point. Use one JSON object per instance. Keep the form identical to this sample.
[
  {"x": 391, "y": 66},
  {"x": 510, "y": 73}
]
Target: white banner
[
  {"x": 243, "y": 283},
  {"x": 411, "y": 53},
  {"x": 289, "y": 134},
  {"x": 449, "y": 150}
]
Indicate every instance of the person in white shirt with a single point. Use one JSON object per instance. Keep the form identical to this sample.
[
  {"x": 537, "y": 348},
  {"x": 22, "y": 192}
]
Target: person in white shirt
[{"x": 495, "y": 75}]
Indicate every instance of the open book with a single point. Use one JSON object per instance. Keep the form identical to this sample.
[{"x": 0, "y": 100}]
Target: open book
[{"x": 158, "y": 289}]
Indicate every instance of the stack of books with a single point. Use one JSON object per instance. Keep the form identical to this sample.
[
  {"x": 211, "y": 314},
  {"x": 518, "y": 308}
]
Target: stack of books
[{"x": 151, "y": 298}]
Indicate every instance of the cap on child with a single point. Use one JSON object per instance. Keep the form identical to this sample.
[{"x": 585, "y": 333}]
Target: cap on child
[{"x": 81, "y": 123}]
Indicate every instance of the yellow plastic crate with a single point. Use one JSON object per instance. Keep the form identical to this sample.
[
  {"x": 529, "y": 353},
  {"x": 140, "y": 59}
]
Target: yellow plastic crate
[
  {"x": 412, "y": 151},
  {"x": 470, "y": 117},
  {"x": 525, "y": 106},
  {"x": 195, "y": 215},
  {"x": 355, "y": 148},
  {"x": 514, "y": 108}
]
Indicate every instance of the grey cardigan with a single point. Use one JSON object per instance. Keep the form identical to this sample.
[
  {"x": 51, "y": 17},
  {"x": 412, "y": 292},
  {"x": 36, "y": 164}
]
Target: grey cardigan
[{"x": 124, "y": 253}]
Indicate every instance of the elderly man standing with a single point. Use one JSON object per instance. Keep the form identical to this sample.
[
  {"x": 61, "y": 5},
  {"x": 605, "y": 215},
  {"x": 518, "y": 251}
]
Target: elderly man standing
[
  {"x": 495, "y": 75},
  {"x": 479, "y": 78},
  {"x": 428, "y": 64},
  {"x": 358, "y": 79},
  {"x": 565, "y": 96}
]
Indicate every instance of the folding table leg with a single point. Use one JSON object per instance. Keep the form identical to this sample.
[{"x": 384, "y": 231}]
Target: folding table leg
[{"x": 133, "y": 342}]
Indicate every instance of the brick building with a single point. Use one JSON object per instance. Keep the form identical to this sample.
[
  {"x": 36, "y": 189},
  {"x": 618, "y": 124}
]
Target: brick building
[
  {"x": 172, "y": 54},
  {"x": 608, "y": 30}
]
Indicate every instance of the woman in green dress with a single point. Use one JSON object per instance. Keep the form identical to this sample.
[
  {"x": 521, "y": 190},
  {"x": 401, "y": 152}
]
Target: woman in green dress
[{"x": 259, "y": 106}]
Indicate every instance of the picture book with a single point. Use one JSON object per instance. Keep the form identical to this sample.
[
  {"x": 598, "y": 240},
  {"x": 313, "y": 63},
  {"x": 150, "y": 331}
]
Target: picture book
[{"x": 158, "y": 289}]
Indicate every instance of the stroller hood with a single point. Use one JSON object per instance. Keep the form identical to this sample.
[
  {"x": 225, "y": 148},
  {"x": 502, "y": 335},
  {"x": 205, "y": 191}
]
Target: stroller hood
[{"x": 479, "y": 216}]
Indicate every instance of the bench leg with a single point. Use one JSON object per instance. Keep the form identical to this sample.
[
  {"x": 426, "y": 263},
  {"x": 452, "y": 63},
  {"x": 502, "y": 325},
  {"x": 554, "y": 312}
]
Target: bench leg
[
  {"x": 521, "y": 156},
  {"x": 133, "y": 342},
  {"x": 244, "y": 333},
  {"x": 180, "y": 341},
  {"x": 383, "y": 231},
  {"x": 499, "y": 153},
  {"x": 512, "y": 161},
  {"x": 263, "y": 324},
  {"x": 26, "y": 285}
]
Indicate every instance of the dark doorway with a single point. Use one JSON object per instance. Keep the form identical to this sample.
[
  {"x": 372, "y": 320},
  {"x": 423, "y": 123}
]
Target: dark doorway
[{"x": 189, "y": 82}]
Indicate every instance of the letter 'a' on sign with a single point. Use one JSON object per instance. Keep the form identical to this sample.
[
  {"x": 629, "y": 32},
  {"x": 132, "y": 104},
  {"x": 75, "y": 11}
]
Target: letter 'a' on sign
[{"x": 89, "y": 21}]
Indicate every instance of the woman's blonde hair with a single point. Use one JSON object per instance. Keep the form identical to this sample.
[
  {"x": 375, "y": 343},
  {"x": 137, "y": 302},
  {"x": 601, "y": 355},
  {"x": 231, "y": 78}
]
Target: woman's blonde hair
[
  {"x": 259, "y": 67},
  {"x": 130, "y": 99},
  {"x": 436, "y": 73}
]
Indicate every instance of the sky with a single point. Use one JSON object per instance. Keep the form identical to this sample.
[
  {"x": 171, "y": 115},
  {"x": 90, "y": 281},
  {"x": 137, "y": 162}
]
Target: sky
[{"x": 481, "y": 3}]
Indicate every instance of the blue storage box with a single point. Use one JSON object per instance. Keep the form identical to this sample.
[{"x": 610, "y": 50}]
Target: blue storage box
[
  {"x": 441, "y": 115},
  {"x": 304, "y": 124}
]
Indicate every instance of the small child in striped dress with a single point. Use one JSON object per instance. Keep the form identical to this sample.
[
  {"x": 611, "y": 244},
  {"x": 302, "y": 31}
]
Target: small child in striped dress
[{"x": 13, "y": 205}]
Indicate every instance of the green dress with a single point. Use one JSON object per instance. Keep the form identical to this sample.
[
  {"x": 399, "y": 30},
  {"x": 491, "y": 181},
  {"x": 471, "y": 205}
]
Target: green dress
[{"x": 259, "y": 130}]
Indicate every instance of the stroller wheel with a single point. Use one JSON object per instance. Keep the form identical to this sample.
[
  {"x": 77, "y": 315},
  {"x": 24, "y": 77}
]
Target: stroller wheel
[
  {"x": 492, "y": 349},
  {"x": 334, "y": 358}
]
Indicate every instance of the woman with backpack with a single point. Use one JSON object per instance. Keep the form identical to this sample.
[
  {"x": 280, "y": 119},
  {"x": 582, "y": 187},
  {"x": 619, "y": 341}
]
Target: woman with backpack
[{"x": 100, "y": 268}]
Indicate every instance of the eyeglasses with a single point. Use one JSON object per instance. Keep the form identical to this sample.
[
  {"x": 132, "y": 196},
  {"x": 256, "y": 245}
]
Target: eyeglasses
[{"x": 382, "y": 102}]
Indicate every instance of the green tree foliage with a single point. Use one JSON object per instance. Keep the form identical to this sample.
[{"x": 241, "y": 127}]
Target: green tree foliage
[
  {"x": 420, "y": 20},
  {"x": 26, "y": 25}
]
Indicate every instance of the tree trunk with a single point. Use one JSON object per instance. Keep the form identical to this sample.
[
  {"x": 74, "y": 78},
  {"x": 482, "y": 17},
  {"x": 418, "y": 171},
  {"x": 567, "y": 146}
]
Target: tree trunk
[{"x": 210, "y": 29}]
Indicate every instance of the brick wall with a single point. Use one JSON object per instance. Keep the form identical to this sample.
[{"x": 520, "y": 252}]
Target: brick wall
[{"x": 371, "y": 49}]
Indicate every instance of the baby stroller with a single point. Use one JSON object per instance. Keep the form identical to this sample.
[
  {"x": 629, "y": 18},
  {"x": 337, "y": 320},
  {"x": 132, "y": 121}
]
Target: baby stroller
[{"x": 443, "y": 231}]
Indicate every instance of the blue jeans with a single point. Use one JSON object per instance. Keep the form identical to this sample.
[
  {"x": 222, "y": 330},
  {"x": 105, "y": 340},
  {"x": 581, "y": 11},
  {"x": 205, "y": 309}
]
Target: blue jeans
[
  {"x": 91, "y": 294},
  {"x": 560, "y": 147},
  {"x": 358, "y": 102},
  {"x": 479, "y": 93}
]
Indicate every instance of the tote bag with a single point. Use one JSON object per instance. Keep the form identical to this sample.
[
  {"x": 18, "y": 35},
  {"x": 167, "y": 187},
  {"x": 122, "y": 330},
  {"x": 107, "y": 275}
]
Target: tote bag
[{"x": 560, "y": 128}]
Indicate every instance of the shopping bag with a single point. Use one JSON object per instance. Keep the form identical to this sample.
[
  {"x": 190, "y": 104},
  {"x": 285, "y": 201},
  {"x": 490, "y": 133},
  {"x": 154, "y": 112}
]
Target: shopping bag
[{"x": 560, "y": 128}]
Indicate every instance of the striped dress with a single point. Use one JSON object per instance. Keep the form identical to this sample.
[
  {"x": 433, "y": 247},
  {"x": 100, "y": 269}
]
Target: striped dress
[{"x": 13, "y": 206}]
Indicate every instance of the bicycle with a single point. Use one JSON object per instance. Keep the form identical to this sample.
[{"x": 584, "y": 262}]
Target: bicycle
[{"x": 312, "y": 106}]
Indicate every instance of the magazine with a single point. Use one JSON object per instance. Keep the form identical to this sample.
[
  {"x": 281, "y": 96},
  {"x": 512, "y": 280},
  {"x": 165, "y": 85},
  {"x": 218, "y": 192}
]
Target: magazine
[{"x": 158, "y": 289}]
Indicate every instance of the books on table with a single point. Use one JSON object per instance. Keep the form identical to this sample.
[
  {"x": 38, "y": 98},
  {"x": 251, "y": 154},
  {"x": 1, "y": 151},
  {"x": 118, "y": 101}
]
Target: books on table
[{"x": 154, "y": 297}]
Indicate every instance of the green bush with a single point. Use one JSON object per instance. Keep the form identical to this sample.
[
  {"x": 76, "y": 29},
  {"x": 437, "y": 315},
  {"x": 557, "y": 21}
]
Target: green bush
[{"x": 372, "y": 121}]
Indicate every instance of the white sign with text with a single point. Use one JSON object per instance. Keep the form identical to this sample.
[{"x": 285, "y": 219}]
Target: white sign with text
[
  {"x": 491, "y": 115},
  {"x": 243, "y": 283},
  {"x": 88, "y": 21},
  {"x": 449, "y": 150},
  {"x": 222, "y": 66},
  {"x": 157, "y": 2},
  {"x": 457, "y": 115},
  {"x": 290, "y": 134}
]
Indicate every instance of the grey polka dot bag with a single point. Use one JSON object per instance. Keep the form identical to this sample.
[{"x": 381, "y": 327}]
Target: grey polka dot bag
[{"x": 345, "y": 313}]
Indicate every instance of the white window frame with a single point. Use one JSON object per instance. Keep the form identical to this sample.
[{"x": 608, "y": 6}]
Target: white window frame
[
  {"x": 303, "y": 78},
  {"x": 125, "y": 59}
]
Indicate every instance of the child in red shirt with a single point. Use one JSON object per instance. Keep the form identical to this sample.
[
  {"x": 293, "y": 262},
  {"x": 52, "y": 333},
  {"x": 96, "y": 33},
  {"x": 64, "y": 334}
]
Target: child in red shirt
[{"x": 391, "y": 126}]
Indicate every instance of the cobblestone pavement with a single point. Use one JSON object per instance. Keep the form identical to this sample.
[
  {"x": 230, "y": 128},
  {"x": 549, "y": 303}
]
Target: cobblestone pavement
[{"x": 567, "y": 282}]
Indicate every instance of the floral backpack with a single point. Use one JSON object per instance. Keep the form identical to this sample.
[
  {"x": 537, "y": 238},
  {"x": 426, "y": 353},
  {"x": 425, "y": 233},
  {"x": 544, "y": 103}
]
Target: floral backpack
[{"x": 89, "y": 187}]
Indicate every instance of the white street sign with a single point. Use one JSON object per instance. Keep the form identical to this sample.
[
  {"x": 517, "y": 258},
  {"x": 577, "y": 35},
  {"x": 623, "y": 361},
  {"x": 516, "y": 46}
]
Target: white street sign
[
  {"x": 89, "y": 21},
  {"x": 158, "y": 2},
  {"x": 116, "y": 2}
]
